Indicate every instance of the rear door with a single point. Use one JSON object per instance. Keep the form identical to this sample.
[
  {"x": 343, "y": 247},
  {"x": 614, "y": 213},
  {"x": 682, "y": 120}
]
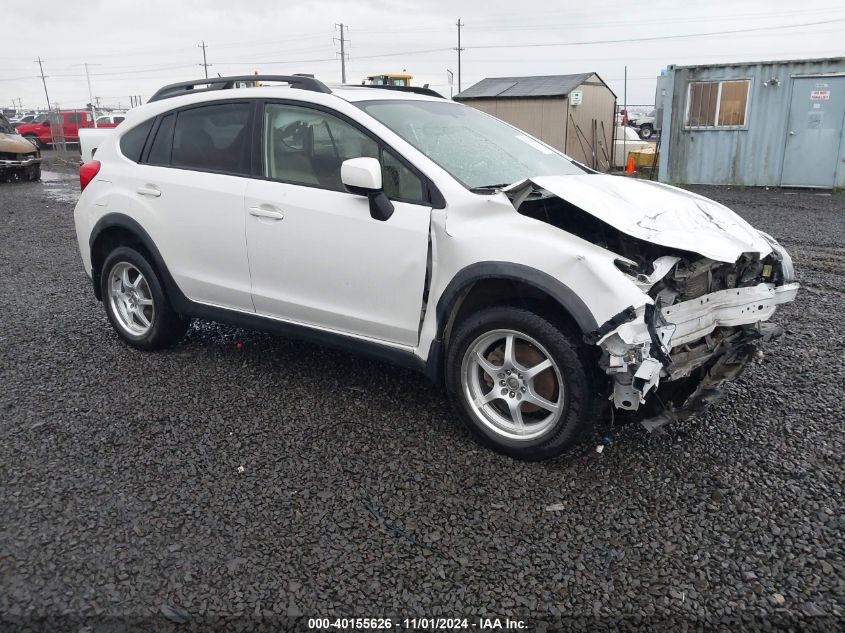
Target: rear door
[
  {"x": 814, "y": 134},
  {"x": 189, "y": 193}
]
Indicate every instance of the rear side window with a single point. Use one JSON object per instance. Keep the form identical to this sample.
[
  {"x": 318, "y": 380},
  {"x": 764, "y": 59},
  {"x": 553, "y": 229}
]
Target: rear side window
[
  {"x": 132, "y": 143},
  {"x": 77, "y": 118},
  {"x": 213, "y": 138},
  {"x": 162, "y": 143}
]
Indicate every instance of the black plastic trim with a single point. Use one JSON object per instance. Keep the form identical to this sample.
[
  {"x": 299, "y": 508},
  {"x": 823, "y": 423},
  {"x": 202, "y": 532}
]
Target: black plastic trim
[
  {"x": 185, "y": 306},
  {"x": 226, "y": 83},
  {"x": 658, "y": 350},
  {"x": 420, "y": 90},
  {"x": 462, "y": 281},
  {"x": 628, "y": 314}
]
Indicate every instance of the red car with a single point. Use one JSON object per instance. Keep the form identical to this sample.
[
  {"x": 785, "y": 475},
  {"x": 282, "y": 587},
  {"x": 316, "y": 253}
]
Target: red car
[{"x": 41, "y": 134}]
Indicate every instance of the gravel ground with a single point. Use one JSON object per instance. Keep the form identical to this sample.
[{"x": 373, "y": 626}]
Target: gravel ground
[{"x": 361, "y": 495}]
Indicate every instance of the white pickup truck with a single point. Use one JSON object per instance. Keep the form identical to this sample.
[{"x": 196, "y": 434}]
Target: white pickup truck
[{"x": 90, "y": 139}]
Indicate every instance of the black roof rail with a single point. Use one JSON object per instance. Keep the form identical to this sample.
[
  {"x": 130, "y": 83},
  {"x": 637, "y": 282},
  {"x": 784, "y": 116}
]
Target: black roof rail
[
  {"x": 417, "y": 89},
  {"x": 303, "y": 82}
]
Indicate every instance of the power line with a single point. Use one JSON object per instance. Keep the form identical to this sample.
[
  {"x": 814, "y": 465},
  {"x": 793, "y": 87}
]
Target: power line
[{"x": 657, "y": 37}]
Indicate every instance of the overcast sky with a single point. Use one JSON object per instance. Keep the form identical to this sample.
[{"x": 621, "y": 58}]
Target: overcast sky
[{"x": 135, "y": 47}]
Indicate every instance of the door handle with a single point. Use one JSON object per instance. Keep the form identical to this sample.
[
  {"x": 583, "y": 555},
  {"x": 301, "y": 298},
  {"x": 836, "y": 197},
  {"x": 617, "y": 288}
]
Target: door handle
[
  {"x": 266, "y": 211},
  {"x": 149, "y": 190},
  {"x": 792, "y": 132}
]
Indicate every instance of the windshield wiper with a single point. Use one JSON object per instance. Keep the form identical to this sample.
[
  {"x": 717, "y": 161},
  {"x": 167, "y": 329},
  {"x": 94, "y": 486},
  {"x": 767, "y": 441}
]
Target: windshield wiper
[{"x": 489, "y": 188}]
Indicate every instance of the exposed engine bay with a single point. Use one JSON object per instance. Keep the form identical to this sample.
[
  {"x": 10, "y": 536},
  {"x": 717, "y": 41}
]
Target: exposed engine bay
[{"x": 700, "y": 325}]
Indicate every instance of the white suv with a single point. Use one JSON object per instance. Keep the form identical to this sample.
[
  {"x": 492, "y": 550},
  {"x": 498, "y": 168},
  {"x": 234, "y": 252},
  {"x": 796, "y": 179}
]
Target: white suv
[{"x": 424, "y": 232}]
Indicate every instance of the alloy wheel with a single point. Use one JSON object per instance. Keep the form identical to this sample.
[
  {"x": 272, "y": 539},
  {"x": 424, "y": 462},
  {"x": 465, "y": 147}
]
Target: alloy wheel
[
  {"x": 512, "y": 384},
  {"x": 131, "y": 299}
]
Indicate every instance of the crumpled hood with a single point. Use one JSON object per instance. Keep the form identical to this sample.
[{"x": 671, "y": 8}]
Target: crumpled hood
[
  {"x": 15, "y": 144},
  {"x": 658, "y": 213}
]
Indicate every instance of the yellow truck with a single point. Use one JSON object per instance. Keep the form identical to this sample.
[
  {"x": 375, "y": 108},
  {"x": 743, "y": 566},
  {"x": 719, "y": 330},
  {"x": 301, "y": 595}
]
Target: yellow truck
[{"x": 388, "y": 79}]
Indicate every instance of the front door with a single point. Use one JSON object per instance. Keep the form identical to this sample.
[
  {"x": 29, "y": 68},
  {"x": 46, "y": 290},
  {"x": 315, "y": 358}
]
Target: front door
[
  {"x": 814, "y": 133},
  {"x": 316, "y": 256}
]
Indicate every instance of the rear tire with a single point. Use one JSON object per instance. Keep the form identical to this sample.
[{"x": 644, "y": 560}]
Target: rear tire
[
  {"x": 518, "y": 383},
  {"x": 136, "y": 302},
  {"x": 646, "y": 131}
]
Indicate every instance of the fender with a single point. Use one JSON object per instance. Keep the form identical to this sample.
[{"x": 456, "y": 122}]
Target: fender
[
  {"x": 464, "y": 279},
  {"x": 177, "y": 298}
]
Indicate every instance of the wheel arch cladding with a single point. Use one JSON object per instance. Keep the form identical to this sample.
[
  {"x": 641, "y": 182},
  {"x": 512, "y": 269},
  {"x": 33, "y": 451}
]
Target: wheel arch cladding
[
  {"x": 117, "y": 229},
  {"x": 490, "y": 280}
]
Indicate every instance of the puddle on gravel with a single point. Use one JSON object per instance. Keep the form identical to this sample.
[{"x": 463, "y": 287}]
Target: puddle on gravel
[
  {"x": 59, "y": 186},
  {"x": 57, "y": 176}
]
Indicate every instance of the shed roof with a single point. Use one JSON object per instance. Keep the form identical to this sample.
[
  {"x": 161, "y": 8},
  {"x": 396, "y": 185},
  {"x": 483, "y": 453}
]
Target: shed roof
[{"x": 510, "y": 87}]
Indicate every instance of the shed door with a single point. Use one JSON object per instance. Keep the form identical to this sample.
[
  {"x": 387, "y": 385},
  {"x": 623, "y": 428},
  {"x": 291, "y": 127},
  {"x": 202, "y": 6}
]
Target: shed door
[{"x": 814, "y": 134}]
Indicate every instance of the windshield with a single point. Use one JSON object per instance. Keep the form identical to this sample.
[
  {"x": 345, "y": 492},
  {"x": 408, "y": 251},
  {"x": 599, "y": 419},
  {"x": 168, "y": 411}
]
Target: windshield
[
  {"x": 5, "y": 126},
  {"x": 475, "y": 148}
]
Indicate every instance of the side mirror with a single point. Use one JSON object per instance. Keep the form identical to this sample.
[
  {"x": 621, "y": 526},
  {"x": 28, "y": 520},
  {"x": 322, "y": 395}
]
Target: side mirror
[{"x": 362, "y": 176}]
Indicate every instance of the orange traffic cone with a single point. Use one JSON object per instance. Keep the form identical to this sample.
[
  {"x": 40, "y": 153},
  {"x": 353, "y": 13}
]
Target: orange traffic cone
[{"x": 630, "y": 168}]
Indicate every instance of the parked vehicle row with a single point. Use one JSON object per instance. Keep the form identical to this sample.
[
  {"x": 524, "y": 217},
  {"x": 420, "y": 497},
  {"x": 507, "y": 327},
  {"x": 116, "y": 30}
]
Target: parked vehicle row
[
  {"x": 69, "y": 122},
  {"x": 419, "y": 230}
]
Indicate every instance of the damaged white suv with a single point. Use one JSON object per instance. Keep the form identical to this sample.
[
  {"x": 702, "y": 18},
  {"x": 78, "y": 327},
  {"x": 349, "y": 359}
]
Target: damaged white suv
[{"x": 424, "y": 232}]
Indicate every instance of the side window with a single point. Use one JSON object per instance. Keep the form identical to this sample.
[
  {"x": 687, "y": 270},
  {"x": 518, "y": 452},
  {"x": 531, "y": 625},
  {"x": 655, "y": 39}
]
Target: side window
[
  {"x": 119, "y": 119},
  {"x": 163, "y": 142},
  {"x": 213, "y": 138},
  {"x": 77, "y": 118},
  {"x": 103, "y": 119},
  {"x": 399, "y": 182},
  {"x": 132, "y": 143},
  {"x": 307, "y": 147}
]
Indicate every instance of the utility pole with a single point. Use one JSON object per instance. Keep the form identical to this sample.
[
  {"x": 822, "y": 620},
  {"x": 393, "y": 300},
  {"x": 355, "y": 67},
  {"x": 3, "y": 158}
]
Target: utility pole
[
  {"x": 90, "y": 92},
  {"x": 341, "y": 26},
  {"x": 205, "y": 63},
  {"x": 625, "y": 107},
  {"x": 44, "y": 81},
  {"x": 459, "y": 49}
]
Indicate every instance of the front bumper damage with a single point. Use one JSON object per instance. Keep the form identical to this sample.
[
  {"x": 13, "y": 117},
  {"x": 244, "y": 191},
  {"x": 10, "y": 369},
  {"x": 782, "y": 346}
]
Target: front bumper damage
[{"x": 694, "y": 346}]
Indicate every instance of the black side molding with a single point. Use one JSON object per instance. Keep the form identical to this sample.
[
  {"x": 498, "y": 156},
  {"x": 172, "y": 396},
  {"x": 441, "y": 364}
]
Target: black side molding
[{"x": 184, "y": 305}]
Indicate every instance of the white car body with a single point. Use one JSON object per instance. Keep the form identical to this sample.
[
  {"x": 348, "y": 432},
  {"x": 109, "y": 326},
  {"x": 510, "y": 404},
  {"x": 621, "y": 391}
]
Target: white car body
[
  {"x": 625, "y": 141},
  {"x": 90, "y": 139},
  {"x": 316, "y": 260}
]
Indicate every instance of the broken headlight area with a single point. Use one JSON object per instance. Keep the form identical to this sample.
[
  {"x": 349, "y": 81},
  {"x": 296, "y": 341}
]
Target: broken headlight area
[{"x": 699, "y": 330}]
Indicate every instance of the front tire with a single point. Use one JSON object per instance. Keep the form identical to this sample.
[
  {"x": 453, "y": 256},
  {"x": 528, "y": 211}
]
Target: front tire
[
  {"x": 646, "y": 132},
  {"x": 518, "y": 382},
  {"x": 32, "y": 138},
  {"x": 136, "y": 303}
]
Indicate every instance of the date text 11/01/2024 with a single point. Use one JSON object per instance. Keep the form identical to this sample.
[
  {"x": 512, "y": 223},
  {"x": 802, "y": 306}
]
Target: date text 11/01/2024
[{"x": 427, "y": 624}]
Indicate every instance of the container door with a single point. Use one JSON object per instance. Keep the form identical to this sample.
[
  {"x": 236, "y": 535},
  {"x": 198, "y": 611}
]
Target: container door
[{"x": 814, "y": 133}]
